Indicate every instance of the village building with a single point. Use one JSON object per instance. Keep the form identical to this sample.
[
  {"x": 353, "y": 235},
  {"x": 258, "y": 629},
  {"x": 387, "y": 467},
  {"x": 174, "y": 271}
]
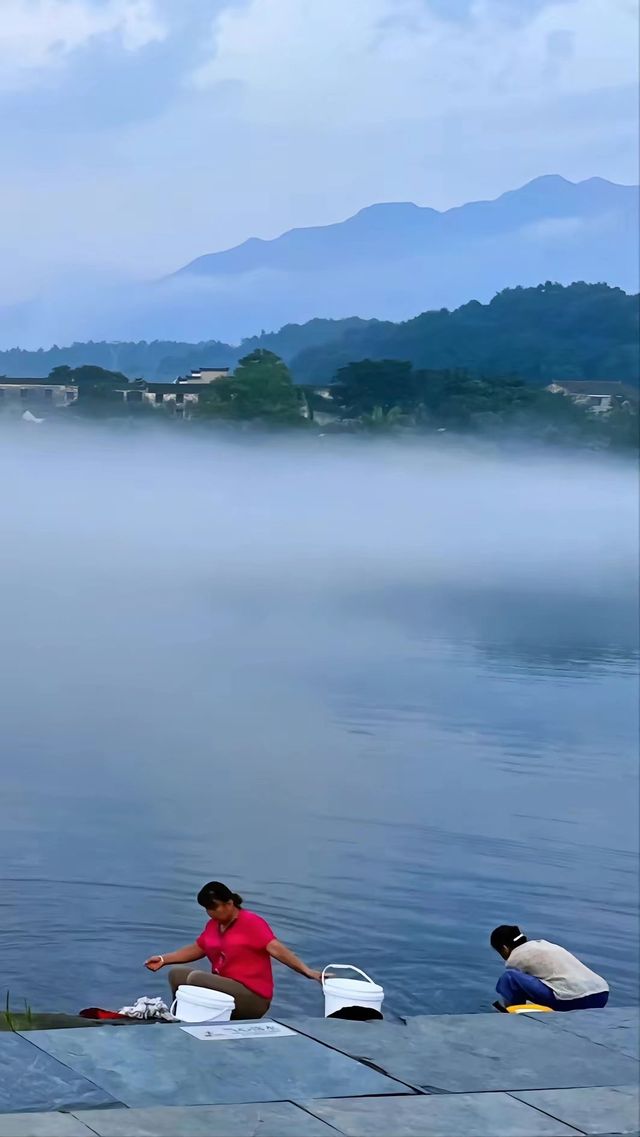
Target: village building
[
  {"x": 599, "y": 396},
  {"x": 36, "y": 390}
]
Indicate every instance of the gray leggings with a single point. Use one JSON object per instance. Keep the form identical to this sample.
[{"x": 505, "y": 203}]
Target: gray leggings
[{"x": 248, "y": 1004}]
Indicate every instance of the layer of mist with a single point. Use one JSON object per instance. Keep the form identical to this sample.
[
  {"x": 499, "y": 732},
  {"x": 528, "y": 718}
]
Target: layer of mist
[{"x": 275, "y": 662}]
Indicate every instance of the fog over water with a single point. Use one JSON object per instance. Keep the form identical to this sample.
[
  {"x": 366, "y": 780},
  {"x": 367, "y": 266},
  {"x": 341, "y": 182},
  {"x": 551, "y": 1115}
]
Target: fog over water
[{"x": 387, "y": 691}]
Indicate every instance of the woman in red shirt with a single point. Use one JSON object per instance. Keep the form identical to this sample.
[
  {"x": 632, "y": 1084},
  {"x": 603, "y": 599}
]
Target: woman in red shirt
[{"x": 239, "y": 946}]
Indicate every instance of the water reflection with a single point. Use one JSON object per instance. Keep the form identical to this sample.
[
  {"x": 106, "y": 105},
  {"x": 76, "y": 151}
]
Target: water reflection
[{"x": 281, "y": 685}]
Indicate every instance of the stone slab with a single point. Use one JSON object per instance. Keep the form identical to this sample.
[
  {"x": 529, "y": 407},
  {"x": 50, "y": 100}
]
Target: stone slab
[
  {"x": 602, "y": 1109},
  {"x": 271, "y": 1119},
  {"x": 615, "y": 1027},
  {"x": 33, "y": 1081},
  {"x": 384, "y": 1044},
  {"x": 166, "y": 1066},
  {"x": 42, "y": 1125},
  {"x": 469, "y": 1053},
  {"x": 474, "y": 1115}
]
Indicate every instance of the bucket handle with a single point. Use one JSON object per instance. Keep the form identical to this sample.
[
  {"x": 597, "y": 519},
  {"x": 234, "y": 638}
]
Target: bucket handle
[
  {"x": 345, "y": 967},
  {"x": 172, "y": 1008}
]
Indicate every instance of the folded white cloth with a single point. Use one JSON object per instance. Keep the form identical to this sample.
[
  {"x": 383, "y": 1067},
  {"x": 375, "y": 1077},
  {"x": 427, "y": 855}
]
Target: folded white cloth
[{"x": 146, "y": 1008}]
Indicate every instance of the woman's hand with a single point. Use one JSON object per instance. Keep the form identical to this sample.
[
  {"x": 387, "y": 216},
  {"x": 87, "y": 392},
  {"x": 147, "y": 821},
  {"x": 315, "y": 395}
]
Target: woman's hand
[
  {"x": 154, "y": 963},
  {"x": 317, "y": 975}
]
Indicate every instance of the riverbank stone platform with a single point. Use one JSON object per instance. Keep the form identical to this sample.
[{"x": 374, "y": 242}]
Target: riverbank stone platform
[
  {"x": 480, "y": 1053},
  {"x": 431, "y": 1076}
]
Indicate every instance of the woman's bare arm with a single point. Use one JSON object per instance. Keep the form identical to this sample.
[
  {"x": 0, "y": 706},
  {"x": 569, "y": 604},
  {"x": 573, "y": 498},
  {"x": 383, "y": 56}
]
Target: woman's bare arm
[
  {"x": 186, "y": 954},
  {"x": 284, "y": 955}
]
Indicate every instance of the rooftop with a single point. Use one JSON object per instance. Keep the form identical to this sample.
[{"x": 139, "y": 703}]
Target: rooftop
[
  {"x": 597, "y": 387},
  {"x": 24, "y": 381}
]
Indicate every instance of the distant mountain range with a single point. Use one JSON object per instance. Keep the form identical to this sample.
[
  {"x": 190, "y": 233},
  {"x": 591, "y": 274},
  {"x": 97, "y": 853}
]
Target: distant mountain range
[
  {"x": 560, "y": 219},
  {"x": 580, "y": 331},
  {"x": 389, "y": 261}
]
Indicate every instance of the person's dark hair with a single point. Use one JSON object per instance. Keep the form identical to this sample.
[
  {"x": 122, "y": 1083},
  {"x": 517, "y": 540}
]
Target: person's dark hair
[
  {"x": 217, "y": 893},
  {"x": 507, "y": 936}
]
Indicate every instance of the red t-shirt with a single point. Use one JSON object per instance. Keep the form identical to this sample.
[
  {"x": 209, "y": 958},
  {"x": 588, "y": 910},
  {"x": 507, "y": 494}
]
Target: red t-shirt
[{"x": 240, "y": 953}]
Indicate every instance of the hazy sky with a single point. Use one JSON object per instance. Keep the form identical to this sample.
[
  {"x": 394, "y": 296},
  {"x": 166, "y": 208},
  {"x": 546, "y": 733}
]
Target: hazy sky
[{"x": 141, "y": 133}]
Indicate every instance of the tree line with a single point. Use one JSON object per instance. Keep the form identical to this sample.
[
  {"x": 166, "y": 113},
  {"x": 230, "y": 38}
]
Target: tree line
[
  {"x": 579, "y": 331},
  {"x": 542, "y": 334},
  {"x": 391, "y": 395},
  {"x": 387, "y": 396}
]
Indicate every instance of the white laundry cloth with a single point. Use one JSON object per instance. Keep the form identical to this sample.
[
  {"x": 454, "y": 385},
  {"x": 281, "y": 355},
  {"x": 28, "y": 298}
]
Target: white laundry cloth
[{"x": 146, "y": 1008}]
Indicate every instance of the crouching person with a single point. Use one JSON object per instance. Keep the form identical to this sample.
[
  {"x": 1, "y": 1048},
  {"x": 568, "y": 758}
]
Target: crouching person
[{"x": 537, "y": 971}]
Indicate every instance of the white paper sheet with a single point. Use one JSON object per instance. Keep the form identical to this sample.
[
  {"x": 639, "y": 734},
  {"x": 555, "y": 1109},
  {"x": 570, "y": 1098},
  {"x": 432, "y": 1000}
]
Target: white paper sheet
[{"x": 220, "y": 1032}]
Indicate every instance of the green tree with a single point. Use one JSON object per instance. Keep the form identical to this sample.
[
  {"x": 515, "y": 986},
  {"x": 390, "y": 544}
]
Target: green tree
[
  {"x": 100, "y": 392},
  {"x": 620, "y": 429},
  {"x": 460, "y": 400},
  {"x": 361, "y": 387},
  {"x": 89, "y": 376},
  {"x": 61, "y": 374},
  {"x": 261, "y": 389},
  {"x": 380, "y": 421}
]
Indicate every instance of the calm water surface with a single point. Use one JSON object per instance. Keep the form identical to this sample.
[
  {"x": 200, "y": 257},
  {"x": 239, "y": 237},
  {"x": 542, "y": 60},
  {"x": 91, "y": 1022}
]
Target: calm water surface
[{"x": 386, "y": 774}]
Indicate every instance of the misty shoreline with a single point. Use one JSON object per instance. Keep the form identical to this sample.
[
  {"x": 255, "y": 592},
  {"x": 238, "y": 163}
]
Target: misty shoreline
[{"x": 508, "y": 442}]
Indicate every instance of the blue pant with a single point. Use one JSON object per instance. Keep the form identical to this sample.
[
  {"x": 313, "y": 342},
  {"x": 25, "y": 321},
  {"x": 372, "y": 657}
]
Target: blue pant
[{"x": 518, "y": 987}]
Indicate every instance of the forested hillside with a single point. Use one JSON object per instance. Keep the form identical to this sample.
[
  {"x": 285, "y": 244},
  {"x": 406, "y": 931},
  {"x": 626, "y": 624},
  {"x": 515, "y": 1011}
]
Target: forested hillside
[{"x": 582, "y": 331}]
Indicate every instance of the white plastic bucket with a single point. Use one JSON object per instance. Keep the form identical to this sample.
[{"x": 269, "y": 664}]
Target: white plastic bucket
[
  {"x": 340, "y": 993},
  {"x": 202, "y": 1005}
]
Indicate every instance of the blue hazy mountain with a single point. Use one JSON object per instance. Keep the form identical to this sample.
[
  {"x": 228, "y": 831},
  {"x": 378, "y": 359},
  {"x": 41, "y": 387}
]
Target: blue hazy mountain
[
  {"x": 389, "y": 261},
  {"x": 392, "y": 260},
  {"x": 548, "y": 213}
]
